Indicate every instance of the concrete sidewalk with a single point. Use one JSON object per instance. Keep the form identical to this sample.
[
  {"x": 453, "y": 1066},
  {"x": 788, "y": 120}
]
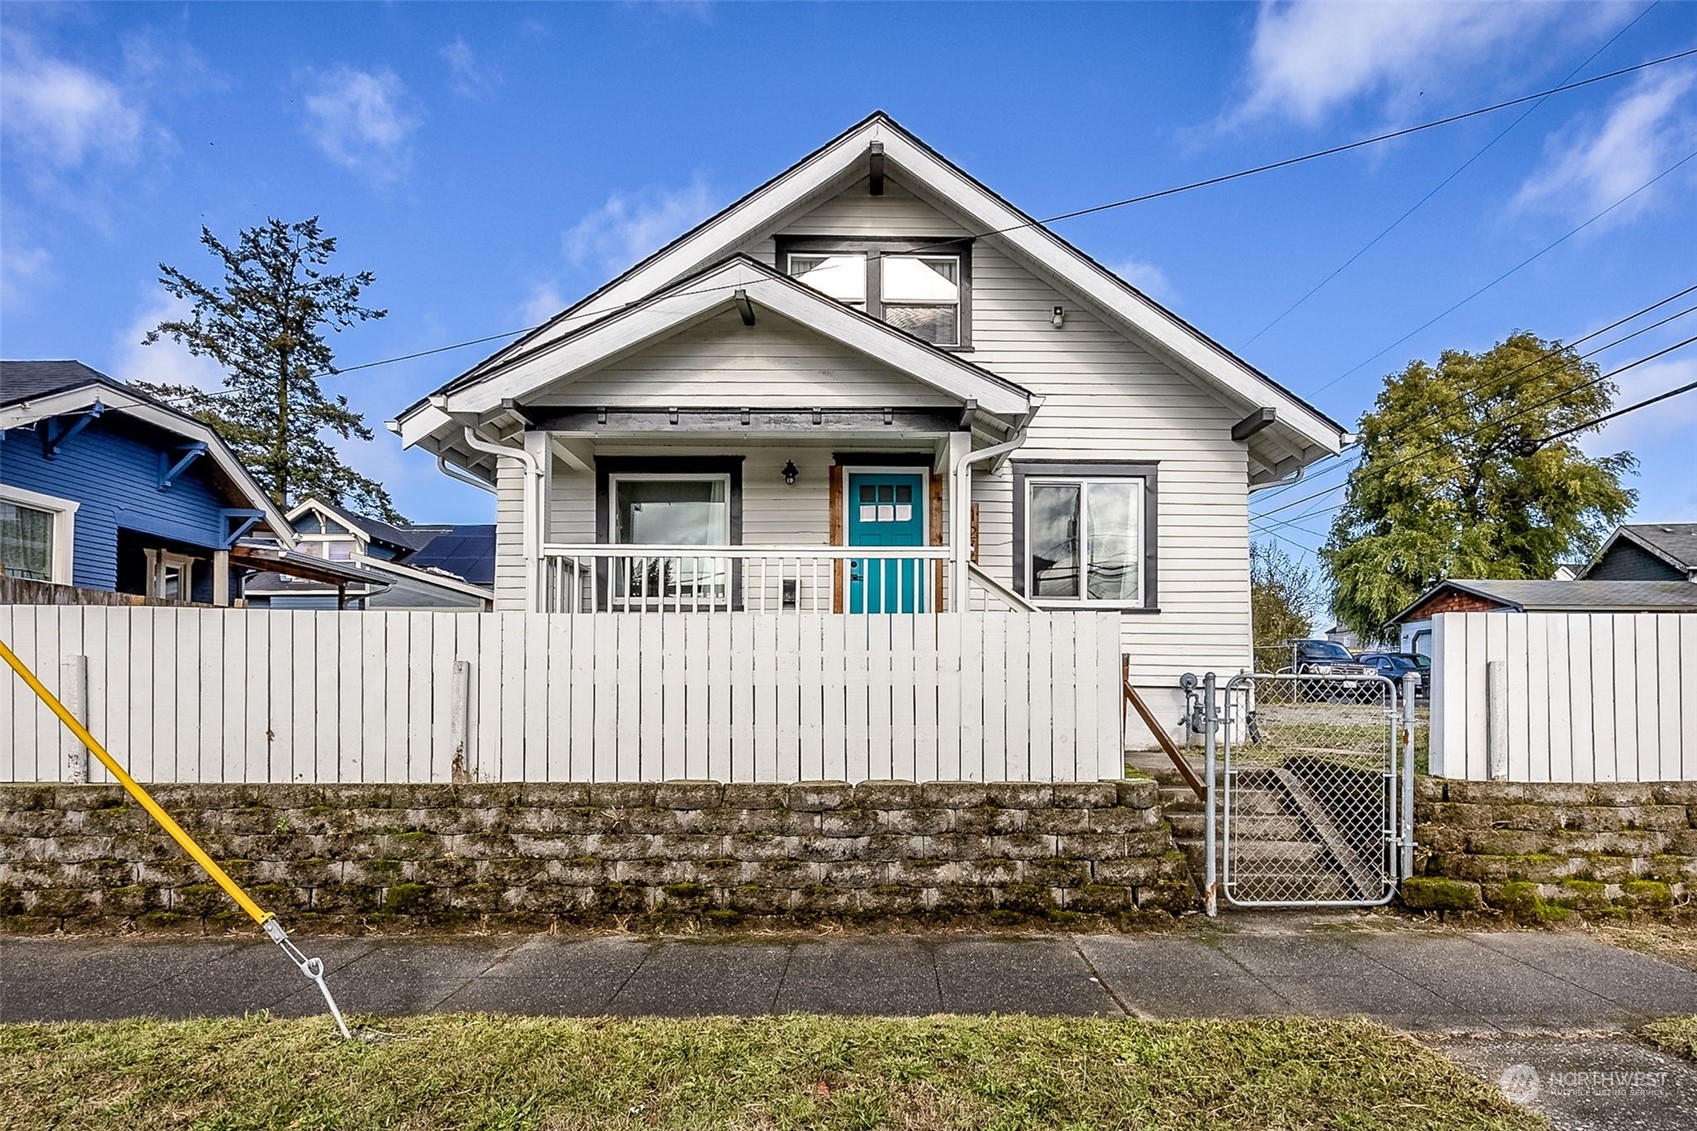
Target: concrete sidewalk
[{"x": 1410, "y": 979}]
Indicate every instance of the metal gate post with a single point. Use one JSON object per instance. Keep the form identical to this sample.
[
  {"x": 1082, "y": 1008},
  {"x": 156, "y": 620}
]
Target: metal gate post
[
  {"x": 1210, "y": 874},
  {"x": 1406, "y": 868}
]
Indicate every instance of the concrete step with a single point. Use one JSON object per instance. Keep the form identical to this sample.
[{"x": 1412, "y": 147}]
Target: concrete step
[{"x": 1245, "y": 826}]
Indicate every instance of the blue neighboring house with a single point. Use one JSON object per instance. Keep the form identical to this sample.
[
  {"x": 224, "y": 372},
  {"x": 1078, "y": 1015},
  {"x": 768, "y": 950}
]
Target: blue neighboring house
[{"x": 105, "y": 487}]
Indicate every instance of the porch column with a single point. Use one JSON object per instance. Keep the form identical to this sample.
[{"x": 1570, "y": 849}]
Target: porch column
[
  {"x": 537, "y": 490},
  {"x": 221, "y": 578},
  {"x": 960, "y": 512}
]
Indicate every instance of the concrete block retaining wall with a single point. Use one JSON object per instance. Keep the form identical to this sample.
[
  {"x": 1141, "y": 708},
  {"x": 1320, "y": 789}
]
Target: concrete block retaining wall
[
  {"x": 1543, "y": 851},
  {"x": 87, "y": 855}
]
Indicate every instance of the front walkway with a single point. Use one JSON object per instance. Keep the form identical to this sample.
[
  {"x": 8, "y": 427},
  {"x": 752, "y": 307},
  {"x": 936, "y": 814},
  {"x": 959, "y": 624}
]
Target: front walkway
[{"x": 1425, "y": 981}]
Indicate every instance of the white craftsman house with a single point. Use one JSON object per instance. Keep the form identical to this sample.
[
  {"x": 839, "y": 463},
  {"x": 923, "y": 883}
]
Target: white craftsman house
[{"x": 874, "y": 386}]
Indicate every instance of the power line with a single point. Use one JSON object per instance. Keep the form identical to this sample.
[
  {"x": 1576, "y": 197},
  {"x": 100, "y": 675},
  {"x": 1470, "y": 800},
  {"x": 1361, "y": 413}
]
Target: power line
[
  {"x": 1512, "y": 270},
  {"x": 1438, "y": 414},
  {"x": 1465, "y": 165},
  {"x": 1030, "y": 223},
  {"x": 1646, "y": 403},
  {"x": 1429, "y": 449}
]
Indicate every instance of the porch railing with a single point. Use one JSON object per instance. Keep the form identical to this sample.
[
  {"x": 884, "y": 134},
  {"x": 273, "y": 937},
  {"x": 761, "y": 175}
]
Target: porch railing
[{"x": 813, "y": 579}]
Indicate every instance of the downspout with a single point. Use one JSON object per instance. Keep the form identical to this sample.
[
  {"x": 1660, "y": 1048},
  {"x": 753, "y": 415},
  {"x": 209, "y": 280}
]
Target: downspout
[
  {"x": 960, "y": 480},
  {"x": 532, "y": 506},
  {"x": 453, "y": 472}
]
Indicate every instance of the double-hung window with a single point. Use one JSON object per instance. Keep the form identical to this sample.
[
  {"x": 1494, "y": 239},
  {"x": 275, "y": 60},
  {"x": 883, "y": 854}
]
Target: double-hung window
[
  {"x": 920, "y": 286},
  {"x": 1084, "y": 534},
  {"x": 35, "y": 535}
]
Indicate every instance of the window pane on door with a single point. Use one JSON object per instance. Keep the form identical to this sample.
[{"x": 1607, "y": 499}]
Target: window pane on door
[
  {"x": 26, "y": 542},
  {"x": 1112, "y": 558},
  {"x": 1052, "y": 539}
]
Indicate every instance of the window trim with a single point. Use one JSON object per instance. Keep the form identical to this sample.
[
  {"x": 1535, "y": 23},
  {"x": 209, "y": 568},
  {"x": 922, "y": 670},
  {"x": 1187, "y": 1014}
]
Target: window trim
[
  {"x": 1149, "y": 576},
  {"x": 607, "y": 468},
  {"x": 875, "y": 248},
  {"x": 64, "y": 513}
]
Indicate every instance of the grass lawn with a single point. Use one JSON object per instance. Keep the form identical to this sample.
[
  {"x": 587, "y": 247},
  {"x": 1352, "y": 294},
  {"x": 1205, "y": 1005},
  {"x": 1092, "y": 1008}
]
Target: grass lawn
[{"x": 475, "y": 1071}]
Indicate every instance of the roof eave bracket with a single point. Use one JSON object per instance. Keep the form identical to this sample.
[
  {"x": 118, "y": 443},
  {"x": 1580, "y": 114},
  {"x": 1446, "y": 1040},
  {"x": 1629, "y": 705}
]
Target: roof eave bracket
[
  {"x": 56, "y": 439},
  {"x": 875, "y": 167},
  {"x": 190, "y": 453}
]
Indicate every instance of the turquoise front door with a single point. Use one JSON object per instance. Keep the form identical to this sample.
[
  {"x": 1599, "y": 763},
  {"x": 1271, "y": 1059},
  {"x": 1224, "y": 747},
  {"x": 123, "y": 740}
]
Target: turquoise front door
[{"x": 886, "y": 509}]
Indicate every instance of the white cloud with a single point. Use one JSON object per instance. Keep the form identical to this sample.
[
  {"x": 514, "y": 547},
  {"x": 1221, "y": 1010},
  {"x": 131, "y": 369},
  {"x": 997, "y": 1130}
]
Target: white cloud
[
  {"x": 63, "y": 114},
  {"x": 1310, "y": 57},
  {"x": 631, "y": 225},
  {"x": 542, "y": 304},
  {"x": 468, "y": 77},
  {"x": 1598, "y": 163},
  {"x": 1146, "y": 277},
  {"x": 24, "y": 269},
  {"x": 361, "y": 120},
  {"x": 164, "y": 362}
]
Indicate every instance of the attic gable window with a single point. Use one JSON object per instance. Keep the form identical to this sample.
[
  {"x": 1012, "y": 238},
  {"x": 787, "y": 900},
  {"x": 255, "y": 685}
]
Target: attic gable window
[{"x": 921, "y": 286}]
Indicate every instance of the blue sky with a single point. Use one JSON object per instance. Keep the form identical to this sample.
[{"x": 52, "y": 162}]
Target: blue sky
[{"x": 492, "y": 163}]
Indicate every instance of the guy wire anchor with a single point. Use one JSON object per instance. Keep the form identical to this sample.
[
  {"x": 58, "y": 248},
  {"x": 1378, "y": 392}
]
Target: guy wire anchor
[{"x": 312, "y": 967}]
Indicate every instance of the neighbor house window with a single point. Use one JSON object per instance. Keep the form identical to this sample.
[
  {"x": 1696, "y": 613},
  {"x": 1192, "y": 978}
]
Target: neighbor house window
[
  {"x": 1084, "y": 534},
  {"x": 921, "y": 286},
  {"x": 36, "y": 534}
]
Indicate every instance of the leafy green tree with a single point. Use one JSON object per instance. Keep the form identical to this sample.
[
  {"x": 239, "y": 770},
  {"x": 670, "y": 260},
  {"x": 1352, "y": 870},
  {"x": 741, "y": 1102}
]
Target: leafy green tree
[
  {"x": 267, "y": 326},
  {"x": 1284, "y": 594},
  {"x": 1455, "y": 478}
]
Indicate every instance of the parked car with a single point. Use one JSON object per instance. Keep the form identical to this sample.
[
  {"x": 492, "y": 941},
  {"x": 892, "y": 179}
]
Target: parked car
[
  {"x": 1395, "y": 665},
  {"x": 1324, "y": 657}
]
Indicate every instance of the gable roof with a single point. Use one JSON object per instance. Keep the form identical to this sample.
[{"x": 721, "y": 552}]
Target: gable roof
[
  {"x": 697, "y": 296},
  {"x": 1568, "y": 596},
  {"x": 1673, "y": 542},
  {"x": 838, "y": 163},
  {"x": 31, "y": 391},
  {"x": 464, "y": 550}
]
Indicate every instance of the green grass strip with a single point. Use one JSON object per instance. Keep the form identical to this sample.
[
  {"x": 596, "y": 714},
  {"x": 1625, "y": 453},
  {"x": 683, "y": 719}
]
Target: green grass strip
[{"x": 479, "y": 1072}]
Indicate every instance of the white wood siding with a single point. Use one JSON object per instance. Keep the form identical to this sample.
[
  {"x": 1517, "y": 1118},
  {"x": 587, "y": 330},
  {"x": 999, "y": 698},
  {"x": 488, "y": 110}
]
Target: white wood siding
[
  {"x": 773, "y": 364},
  {"x": 1106, "y": 398},
  {"x": 232, "y": 695},
  {"x": 509, "y": 534},
  {"x": 1591, "y": 696}
]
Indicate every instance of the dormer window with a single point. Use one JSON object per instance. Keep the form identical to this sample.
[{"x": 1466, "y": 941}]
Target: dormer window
[{"x": 920, "y": 286}]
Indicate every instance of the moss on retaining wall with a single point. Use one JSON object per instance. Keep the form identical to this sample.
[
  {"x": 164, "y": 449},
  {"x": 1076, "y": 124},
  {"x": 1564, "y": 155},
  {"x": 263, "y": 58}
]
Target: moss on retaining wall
[
  {"x": 1543, "y": 852},
  {"x": 441, "y": 854}
]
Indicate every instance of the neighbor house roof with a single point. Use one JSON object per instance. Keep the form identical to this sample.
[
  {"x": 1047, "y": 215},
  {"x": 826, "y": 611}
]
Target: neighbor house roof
[
  {"x": 1564, "y": 596},
  {"x": 1673, "y": 542},
  {"x": 437, "y": 551},
  {"x": 32, "y": 391},
  {"x": 832, "y": 168}
]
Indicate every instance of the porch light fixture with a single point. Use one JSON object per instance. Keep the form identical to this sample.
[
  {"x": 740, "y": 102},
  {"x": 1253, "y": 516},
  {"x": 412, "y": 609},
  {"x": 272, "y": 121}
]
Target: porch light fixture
[
  {"x": 790, "y": 473},
  {"x": 1058, "y": 318}
]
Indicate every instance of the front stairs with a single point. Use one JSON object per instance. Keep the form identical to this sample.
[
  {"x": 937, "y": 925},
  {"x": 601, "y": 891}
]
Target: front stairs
[{"x": 1287, "y": 847}]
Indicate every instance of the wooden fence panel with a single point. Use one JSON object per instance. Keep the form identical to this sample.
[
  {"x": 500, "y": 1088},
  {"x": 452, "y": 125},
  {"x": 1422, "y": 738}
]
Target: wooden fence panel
[
  {"x": 1591, "y": 697},
  {"x": 232, "y": 695}
]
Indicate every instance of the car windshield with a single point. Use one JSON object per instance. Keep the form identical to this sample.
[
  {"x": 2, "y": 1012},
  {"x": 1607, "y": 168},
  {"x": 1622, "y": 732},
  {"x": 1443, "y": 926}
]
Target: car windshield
[
  {"x": 1400, "y": 663},
  {"x": 1326, "y": 650}
]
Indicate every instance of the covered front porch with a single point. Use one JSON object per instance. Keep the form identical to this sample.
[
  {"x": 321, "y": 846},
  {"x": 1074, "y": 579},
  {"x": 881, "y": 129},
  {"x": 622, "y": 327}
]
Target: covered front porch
[{"x": 738, "y": 443}]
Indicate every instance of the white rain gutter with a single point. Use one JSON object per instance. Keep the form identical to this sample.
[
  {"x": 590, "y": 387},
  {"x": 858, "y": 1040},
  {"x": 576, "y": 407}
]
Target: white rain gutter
[
  {"x": 533, "y": 498},
  {"x": 960, "y": 480}
]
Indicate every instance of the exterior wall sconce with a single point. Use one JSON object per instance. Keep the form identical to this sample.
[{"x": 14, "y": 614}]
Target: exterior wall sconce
[
  {"x": 790, "y": 473},
  {"x": 1058, "y": 318}
]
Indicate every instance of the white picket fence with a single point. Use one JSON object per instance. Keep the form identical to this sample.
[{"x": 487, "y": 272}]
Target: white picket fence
[
  {"x": 1579, "y": 697},
  {"x": 232, "y": 695}
]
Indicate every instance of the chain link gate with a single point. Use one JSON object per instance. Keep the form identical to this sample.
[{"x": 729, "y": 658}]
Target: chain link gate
[{"x": 1314, "y": 789}]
